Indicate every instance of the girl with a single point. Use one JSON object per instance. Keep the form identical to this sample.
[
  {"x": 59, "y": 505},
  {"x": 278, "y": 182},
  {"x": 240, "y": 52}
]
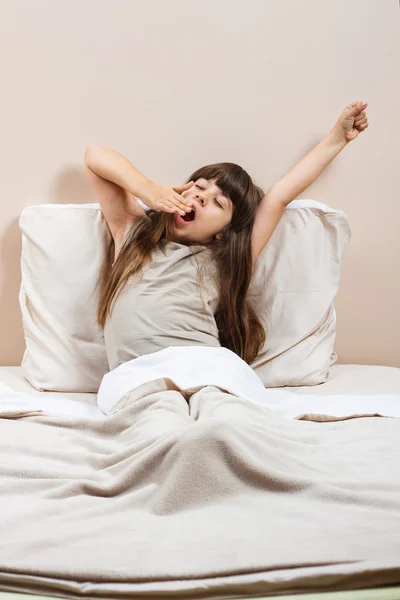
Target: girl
[{"x": 188, "y": 258}]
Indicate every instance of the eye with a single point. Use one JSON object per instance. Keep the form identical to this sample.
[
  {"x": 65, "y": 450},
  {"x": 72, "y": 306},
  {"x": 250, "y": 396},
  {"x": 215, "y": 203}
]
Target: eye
[{"x": 202, "y": 188}]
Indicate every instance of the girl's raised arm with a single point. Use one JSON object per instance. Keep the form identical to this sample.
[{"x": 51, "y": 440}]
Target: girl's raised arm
[
  {"x": 350, "y": 124},
  {"x": 116, "y": 183}
]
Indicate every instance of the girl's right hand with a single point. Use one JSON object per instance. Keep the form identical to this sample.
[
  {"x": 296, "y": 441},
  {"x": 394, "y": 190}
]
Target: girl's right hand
[{"x": 168, "y": 198}]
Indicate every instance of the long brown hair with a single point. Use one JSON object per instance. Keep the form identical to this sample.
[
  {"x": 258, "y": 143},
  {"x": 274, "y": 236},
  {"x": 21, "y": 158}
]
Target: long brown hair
[{"x": 239, "y": 327}]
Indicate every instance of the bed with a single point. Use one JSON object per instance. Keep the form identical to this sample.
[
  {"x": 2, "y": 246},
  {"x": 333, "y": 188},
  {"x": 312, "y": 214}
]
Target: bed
[
  {"x": 378, "y": 576},
  {"x": 352, "y": 379}
]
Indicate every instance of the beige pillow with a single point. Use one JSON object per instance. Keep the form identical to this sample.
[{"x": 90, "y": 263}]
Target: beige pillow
[
  {"x": 296, "y": 279},
  {"x": 295, "y": 282},
  {"x": 63, "y": 247}
]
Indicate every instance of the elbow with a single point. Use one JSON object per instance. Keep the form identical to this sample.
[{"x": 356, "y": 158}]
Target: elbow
[
  {"x": 88, "y": 156},
  {"x": 91, "y": 154}
]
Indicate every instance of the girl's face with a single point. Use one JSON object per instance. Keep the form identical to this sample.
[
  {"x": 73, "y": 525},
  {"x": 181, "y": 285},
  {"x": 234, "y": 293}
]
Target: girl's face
[{"x": 212, "y": 212}]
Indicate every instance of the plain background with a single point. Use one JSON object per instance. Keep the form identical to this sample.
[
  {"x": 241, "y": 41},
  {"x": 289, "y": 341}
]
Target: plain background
[{"x": 179, "y": 84}]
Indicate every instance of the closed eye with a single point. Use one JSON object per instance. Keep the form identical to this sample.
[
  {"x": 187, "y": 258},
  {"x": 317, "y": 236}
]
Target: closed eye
[{"x": 202, "y": 188}]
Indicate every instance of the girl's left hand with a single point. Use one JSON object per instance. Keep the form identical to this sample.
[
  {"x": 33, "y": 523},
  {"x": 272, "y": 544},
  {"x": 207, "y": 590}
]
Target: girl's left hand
[{"x": 351, "y": 122}]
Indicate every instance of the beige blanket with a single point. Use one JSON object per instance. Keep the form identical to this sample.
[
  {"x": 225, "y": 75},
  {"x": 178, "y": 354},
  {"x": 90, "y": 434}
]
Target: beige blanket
[{"x": 198, "y": 495}]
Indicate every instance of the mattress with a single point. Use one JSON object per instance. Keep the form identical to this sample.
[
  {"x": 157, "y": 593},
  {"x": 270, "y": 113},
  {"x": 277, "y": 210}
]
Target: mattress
[{"x": 344, "y": 379}]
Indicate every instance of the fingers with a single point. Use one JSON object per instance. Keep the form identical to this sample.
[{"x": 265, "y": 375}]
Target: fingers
[
  {"x": 175, "y": 204},
  {"x": 180, "y": 204},
  {"x": 168, "y": 207},
  {"x": 362, "y": 115},
  {"x": 355, "y": 108},
  {"x": 358, "y": 112},
  {"x": 171, "y": 201},
  {"x": 183, "y": 187},
  {"x": 361, "y": 121}
]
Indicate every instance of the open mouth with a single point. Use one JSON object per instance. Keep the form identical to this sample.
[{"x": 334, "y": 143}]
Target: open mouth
[{"x": 187, "y": 218}]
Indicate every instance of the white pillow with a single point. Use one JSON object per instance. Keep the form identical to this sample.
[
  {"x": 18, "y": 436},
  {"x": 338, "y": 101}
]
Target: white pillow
[
  {"x": 295, "y": 282},
  {"x": 63, "y": 247}
]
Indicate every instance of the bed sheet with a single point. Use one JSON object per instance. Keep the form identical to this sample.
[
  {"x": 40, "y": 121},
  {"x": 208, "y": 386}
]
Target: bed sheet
[
  {"x": 355, "y": 379},
  {"x": 351, "y": 390},
  {"x": 343, "y": 379},
  {"x": 14, "y": 378}
]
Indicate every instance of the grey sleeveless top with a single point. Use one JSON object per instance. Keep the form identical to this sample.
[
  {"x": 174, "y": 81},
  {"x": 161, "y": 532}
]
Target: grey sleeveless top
[{"x": 164, "y": 305}]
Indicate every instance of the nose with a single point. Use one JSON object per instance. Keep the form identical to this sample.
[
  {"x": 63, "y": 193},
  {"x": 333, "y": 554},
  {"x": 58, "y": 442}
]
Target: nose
[{"x": 201, "y": 199}]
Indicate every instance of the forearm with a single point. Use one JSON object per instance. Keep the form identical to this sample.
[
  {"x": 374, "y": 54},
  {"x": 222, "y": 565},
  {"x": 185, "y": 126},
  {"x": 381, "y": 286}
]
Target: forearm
[
  {"x": 307, "y": 170},
  {"x": 113, "y": 166}
]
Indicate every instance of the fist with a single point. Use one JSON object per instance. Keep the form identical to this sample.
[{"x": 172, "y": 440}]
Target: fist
[{"x": 352, "y": 121}]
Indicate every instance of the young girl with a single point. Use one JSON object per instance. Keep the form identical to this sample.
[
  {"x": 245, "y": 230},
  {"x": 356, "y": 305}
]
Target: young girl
[{"x": 188, "y": 258}]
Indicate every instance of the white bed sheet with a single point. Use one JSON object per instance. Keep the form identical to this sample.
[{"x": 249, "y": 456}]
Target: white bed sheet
[
  {"x": 14, "y": 378},
  {"x": 355, "y": 379},
  {"x": 344, "y": 379}
]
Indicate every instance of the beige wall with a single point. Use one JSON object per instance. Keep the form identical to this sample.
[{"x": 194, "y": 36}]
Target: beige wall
[{"x": 174, "y": 85}]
